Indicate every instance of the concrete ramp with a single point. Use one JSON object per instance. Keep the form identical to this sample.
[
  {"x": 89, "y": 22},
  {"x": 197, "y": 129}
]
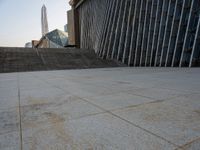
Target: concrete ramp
[{"x": 29, "y": 59}]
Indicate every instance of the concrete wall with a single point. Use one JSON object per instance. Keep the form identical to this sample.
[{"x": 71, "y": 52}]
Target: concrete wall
[
  {"x": 70, "y": 26},
  {"x": 44, "y": 43},
  {"x": 34, "y": 59},
  {"x": 91, "y": 27},
  {"x": 142, "y": 32}
]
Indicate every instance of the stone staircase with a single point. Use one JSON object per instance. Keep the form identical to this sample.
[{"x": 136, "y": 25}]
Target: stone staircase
[{"x": 30, "y": 59}]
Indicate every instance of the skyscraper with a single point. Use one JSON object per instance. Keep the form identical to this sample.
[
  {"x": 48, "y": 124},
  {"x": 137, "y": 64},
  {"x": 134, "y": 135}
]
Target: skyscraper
[{"x": 45, "y": 28}]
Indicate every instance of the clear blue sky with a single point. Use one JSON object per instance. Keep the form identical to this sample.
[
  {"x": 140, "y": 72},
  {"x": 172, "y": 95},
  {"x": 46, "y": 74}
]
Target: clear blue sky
[{"x": 20, "y": 20}]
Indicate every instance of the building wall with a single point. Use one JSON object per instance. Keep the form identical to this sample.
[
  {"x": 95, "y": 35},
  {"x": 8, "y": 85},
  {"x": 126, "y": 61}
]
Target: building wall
[
  {"x": 53, "y": 45},
  {"x": 70, "y": 26},
  {"x": 35, "y": 43},
  {"x": 48, "y": 44},
  {"x": 91, "y": 22},
  {"x": 28, "y": 45},
  {"x": 142, "y": 32},
  {"x": 43, "y": 44}
]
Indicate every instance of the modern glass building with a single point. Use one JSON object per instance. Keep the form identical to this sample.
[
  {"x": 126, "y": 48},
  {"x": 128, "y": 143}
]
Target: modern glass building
[
  {"x": 164, "y": 33},
  {"x": 53, "y": 39}
]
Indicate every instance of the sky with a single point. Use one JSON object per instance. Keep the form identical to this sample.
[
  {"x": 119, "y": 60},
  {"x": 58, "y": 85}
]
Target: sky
[{"x": 20, "y": 20}]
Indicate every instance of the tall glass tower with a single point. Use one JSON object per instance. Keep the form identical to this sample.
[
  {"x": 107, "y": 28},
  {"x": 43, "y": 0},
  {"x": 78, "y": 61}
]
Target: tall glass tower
[{"x": 45, "y": 28}]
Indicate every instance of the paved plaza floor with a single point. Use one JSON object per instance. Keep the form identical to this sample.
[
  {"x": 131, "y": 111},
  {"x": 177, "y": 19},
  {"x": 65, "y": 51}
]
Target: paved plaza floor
[{"x": 101, "y": 109}]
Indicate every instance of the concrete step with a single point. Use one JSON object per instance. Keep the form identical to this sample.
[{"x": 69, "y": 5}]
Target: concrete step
[{"x": 28, "y": 59}]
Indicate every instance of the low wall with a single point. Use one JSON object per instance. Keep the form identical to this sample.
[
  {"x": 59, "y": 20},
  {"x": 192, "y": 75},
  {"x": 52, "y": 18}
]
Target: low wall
[{"x": 28, "y": 59}]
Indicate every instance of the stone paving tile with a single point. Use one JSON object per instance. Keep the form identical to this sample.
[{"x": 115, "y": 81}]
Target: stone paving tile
[
  {"x": 32, "y": 83},
  {"x": 11, "y": 84},
  {"x": 192, "y": 145},
  {"x": 158, "y": 93},
  {"x": 189, "y": 84},
  {"x": 11, "y": 148},
  {"x": 40, "y": 95},
  {"x": 188, "y": 101},
  {"x": 8, "y": 76},
  {"x": 182, "y": 87},
  {"x": 173, "y": 122},
  {"x": 118, "y": 100},
  {"x": 8, "y": 102},
  {"x": 73, "y": 81},
  {"x": 10, "y": 141},
  {"x": 102, "y": 131},
  {"x": 119, "y": 82},
  {"x": 85, "y": 91},
  {"x": 67, "y": 107},
  {"x": 6, "y": 92},
  {"x": 118, "y": 85},
  {"x": 94, "y": 88},
  {"x": 9, "y": 120},
  {"x": 55, "y": 117}
]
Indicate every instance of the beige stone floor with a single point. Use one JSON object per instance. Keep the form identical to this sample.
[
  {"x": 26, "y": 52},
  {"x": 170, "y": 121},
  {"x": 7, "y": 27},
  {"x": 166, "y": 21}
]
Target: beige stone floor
[{"x": 101, "y": 109}]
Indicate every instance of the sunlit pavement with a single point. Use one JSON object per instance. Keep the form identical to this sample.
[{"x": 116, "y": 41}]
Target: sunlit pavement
[{"x": 101, "y": 109}]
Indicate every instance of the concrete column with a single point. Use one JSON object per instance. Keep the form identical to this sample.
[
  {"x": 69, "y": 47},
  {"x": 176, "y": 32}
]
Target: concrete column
[
  {"x": 110, "y": 4},
  {"x": 149, "y": 32},
  {"x": 163, "y": 22},
  {"x": 149, "y": 5},
  {"x": 153, "y": 32},
  {"x": 186, "y": 35},
  {"x": 134, "y": 33},
  {"x": 196, "y": 43},
  {"x": 114, "y": 25},
  {"x": 173, "y": 34},
  {"x": 178, "y": 35},
  {"x": 167, "y": 31},
  {"x": 139, "y": 33},
  {"x": 129, "y": 30},
  {"x": 123, "y": 31},
  {"x": 76, "y": 28},
  {"x": 118, "y": 30},
  {"x": 103, "y": 27},
  {"x": 108, "y": 33},
  {"x": 156, "y": 30}
]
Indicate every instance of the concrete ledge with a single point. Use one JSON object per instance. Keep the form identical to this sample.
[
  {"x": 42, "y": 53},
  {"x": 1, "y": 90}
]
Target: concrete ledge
[{"x": 28, "y": 59}]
